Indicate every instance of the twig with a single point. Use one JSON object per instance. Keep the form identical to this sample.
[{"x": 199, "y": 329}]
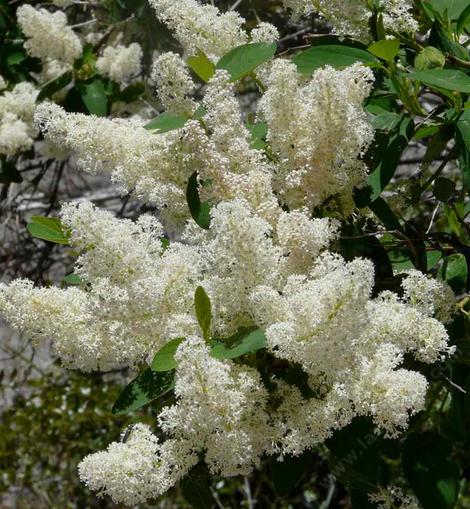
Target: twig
[
  {"x": 461, "y": 389},
  {"x": 456, "y": 60},
  {"x": 439, "y": 170},
  {"x": 235, "y": 5},
  {"x": 329, "y": 497},
  {"x": 246, "y": 485},
  {"x": 433, "y": 217}
]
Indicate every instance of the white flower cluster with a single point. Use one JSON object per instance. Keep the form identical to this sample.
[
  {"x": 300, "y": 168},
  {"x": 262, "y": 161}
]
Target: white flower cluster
[
  {"x": 201, "y": 27},
  {"x": 264, "y": 32},
  {"x": 120, "y": 63},
  {"x": 17, "y": 130},
  {"x": 204, "y": 28},
  {"x": 49, "y": 37},
  {"x": 393, "y": 496},
  {"x": 174, "y": 84},
  {"x": 352, "y": 17},
  {"x": 222, "y": 408},
  {"x": 317, "y": 311},
  {"x": 138, "y": 296},
  {"x": 134, "y": 471},
  {"x": 431, "y": 296},
  {"x": 232, "y": 440},
  {"x": 236, "y": 434},
  {"x": 317, "y": 131},
  {"x": 156, "y": 167}
]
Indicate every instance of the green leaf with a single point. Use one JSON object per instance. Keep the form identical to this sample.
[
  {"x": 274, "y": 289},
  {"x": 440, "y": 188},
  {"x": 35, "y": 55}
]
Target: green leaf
[
  {"x": 443, "y": 188},
  {"x": 386, "y": 121},
  {"x": 166, "y": 122},
  {"x": 165, "y": 243},
  {"x": 454, "y": 271},
  {"x": 453, "y": 221},
  {"x": 433, "y": 258},
  {"x": 445, "y": 41},
  {"x": 463, "y": 21},
  {"x": 386, "y": 49},
  {"x": 164, "y": 359},
  {"x": 454, "y": 423},
  {"x": 132, "y": 92},
  {"x": 245, "y": 341},
  {"x": 53, "y": 223},
  {"x": 51, "y": 87},
  {"x": 42, "y": 232},
  {"x": 463, "y": 125},
  {"x": 199, "y": 113},
  {"x": 429, "y": 58},
  {"x": 335, "y": 55},
  {"x": 16, "y": 58},
  {"x": 73, "y": 280},
  {"x": 383, "y": 211},
  {"x": 384, "y": 159},
  {"x": 145, "y": 388},
  {"x": 94, "y": 97},
  {"x": 437, "y": 144},
  {"x": 202, "y": 66},
  {"x": 202, "y": 305},
  {"x": 200, "y": 211},
  {"x": 454, "y": 8},
  {"x": 463, "y": 141},
  {"x": 258, "y": 133},
  {"x": 426, "y": 131},
  {"x": 448, "y": 79},
  {"x": 430, "y": 471},
  {"x": 354, "y": 243},
  {"x": 241, "y": 60},
  {"x": 48, "y": 228}
]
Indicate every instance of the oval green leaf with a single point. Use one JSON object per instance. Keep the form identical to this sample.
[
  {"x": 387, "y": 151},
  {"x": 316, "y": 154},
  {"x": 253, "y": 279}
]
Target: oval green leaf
[
  {"x": 447, "y": 79},
  {"x": 94, "y": 97},
  {"x": 258, "y": 134},
  {"x": 49, "y": 229},
  {"x": 453, "y": 8},
  {"x": 132, "y": 92},
  {"x": 454, "y": 271},
  {"x": 166, "y": 122},
  {"x": 335, "y": 55},
  {"x": 386, "y": 49},
  {"x": 245, "y": 341},
  {"x": 200, "y": 211},
  {"x": 164, "y": 359},
  {"x": 443, "y": 188},
  {"x": 145, "y": 388},
  {"x": 73, "y": 280},
  {"x": 241, "y": 60},
  {"x": 202, "y": 305},
  {"x": 54, "y": 85},
  {"x": 202, "y": 66}
]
